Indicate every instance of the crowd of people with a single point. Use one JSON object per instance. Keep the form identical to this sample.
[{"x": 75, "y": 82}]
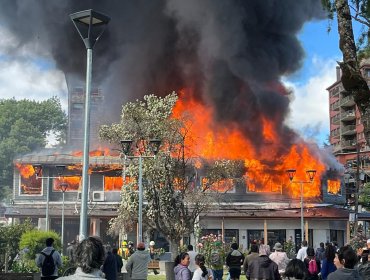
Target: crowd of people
[{"x": 328, "y": 262}]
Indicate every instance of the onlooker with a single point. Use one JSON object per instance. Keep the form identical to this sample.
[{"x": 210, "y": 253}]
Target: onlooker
[
  {"x": 234, "y": 260},
  {"x": 49, "y": 270},
  {"x": 217, "y": 260},
  {"x": 249, "y": 258},
  {"x": 181, "y": 269},
  {"x": 263, "y": 267},
  {"x": 368, "y": 244},
  {"x": 152, "y": 254},
  {"x": 302, "y": 253},
  {"x": 345, "y": 261},
  {"x": 279, "y": 257},
  {"x": 327, "y": 265},
  {"x": 313, "y": 265},
  {"x": 320, "y": 252},
  {"x": 201, "y": 272},
  {"x": 192, "y": 255},
  {"x": 295, "y": 269},
  {"x": 137, "y": 264},
  {"x": 118, "y": 259},
  {"x": 89, "y": 258},
  {"x": 71, "y": 249},
  {"x": 364, "y": 267},
  {"x": 110, "y": 264}
]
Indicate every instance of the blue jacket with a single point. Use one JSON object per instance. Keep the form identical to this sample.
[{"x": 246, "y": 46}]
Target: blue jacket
[{"x": 326, "y": 268}]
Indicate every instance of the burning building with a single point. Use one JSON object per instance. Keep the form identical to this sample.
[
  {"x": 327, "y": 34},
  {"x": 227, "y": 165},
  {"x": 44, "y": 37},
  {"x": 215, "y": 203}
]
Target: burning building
[{"x": 226, "y": 60}]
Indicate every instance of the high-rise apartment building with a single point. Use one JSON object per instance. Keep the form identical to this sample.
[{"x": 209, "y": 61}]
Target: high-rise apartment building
[{"x": 346, "y": 129}]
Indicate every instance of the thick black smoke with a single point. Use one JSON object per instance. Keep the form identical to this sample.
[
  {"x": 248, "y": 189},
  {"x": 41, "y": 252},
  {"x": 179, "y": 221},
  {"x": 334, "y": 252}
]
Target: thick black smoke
[{"x": 232, "y": 52}]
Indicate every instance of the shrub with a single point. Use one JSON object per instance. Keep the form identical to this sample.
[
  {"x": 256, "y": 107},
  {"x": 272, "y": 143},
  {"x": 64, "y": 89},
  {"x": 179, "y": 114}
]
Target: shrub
[{"x": 34, "y": 242}]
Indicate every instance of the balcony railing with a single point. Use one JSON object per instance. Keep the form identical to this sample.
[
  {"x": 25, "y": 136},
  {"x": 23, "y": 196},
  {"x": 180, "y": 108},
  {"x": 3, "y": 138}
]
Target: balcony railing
[
  {"x": 348, "y": 115},
  {"x": 336, "y": 119},
  {"x": 349, "y": 144},
  {"x": 347, "y": 101},
  {"x": 348, "y": 130}
]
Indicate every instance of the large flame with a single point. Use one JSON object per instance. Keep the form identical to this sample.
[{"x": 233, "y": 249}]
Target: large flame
[
  {"x": 334, "y": 186},
  {"x": 266, "y": 167}
]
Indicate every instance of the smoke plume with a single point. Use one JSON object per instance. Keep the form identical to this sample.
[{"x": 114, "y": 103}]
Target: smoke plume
[{"x": 232, "y": 53}]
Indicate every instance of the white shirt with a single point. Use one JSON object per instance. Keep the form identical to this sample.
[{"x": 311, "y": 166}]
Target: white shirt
[
  {"x": 198, "y": 274},
  {"x": 192, "y": 255},
  {"x": 302, "y": 253}
]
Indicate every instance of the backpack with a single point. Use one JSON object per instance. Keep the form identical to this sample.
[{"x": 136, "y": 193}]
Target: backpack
[
  {"x": 48, "y": 266},
  {"x": 312, "y": 267},
  {"x": 215, "y": 258}
]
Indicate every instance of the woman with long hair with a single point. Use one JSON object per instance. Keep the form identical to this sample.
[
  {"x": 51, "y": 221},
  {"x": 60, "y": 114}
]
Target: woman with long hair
[
  {"x": 181, "y": 269},
  {"x": 328, "y": 262},
  {"x": 202, "y": 272},
  {"x": 296, "y": 269}
]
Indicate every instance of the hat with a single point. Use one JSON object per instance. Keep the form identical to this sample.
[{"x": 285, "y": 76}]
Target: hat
[
  {"x": 368, "y": 241},
  {"x": 141, "y": 245},
  {"x": 278, "y": 246},
  {"x": 151, "y": 243}
]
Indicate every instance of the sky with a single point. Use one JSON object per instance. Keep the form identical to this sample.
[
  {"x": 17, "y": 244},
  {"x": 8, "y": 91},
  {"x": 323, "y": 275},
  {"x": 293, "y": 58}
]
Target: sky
[{"x": 309, "y": 107}]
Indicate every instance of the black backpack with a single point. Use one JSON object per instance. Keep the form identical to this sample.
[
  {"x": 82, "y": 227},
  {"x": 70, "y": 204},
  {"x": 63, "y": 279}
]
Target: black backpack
[{"x": 48, "y": 266}]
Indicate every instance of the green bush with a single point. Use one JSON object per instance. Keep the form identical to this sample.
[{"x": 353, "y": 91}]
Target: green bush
[{"x": 34, "y": 241}]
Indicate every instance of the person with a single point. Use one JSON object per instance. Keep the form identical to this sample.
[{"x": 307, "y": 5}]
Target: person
[
  {"x": 110, "y": 264},
  {"x": 320, "y": 253},
  {"x": 345, "y": 261},
  {"x": 192, "y": 255},
  {"x": 137, "y": 264},
  {"x": 152, "y": 254},
  {"x": 89, "y": 258},
  {"x": 312, "y": 264},
  {"x": 118, "y": 259},
  {"x": 217, "y": 260},
  {"x": 279, "y": 257},
  {"x": 295, "y": 270},
  {"x": 181, "y": 269},
  {"x": 263, "y": 267},
  {"x": 327, "y": 265},
  {"x": 302, "y": 253},
  {"x": 71, "y": 252},
  {"x": 234, "y": 260},
  {"x": 202, "y": 272},
  {"x": 368, "y": 244},
  {"x": 364, "y": 267},
  {"x": 249, "y": 258},
  {"x": 57, "y": 259}
]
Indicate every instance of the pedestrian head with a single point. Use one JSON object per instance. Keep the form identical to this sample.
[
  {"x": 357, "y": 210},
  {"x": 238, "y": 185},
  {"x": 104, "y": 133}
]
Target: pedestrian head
[
  {"x": 304, "y": 243},
  {"x": 330, "y": 252},
  {"x": 190, "y": 247},
  {"x": 346, "y": 257},
  {"x": 234, "y": 246},
  {"x": 49, "y": 242},
  {"x": 254, "y": 248},
  {"x": 115, "y": 251},
  {"x": 141, "y": 246},
  {"x": 182, "y": 259},
  {"x": 278, "y": 247},
  {"x": 310, "y": 251},
  {"x": 200, "y": 261},
  {"x": 321, "y": 244},
  {"x": 264, "y": 250},
  {"x": 296, "y": 269},
  {"x": 90, "y": 254}
]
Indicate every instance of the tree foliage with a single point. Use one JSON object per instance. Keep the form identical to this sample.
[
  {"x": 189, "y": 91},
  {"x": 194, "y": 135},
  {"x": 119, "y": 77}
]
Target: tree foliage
[
  {"x": 364, "y": 196},
  {"x": 24, "y": 127},
  {"x": 173, "y": 200}
]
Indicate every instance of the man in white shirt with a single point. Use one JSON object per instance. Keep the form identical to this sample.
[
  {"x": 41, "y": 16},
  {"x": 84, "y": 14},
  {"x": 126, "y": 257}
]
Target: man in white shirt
[
  {"x": 192, "y": 255},
  {"x": 302, "y": 253}
]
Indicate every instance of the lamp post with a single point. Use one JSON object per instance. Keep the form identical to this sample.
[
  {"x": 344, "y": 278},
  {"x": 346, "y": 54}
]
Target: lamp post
[
  {"x": 63, "y": 187},
  {"x": 126, "y": 146},
  {"x": 311, "y": 174},
  {"x": 90, "y": 26},
  {"x": 38, "y": 171}
]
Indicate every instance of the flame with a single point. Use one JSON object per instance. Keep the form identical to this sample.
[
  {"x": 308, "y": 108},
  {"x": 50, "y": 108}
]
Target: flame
[
  {"x": 266, "y": 167},
  {"x": 113, "y": 183},
  {"x": 26, "y": 170},
  {"x": 334, "y": 186},
  {"x": 73, "y": 182}
]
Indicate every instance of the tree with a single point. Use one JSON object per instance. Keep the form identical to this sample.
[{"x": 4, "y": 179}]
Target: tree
[
  {"x": 352, "y": 79},
  {"x": 174, "y": 202},
  {"x": 364, "y": 196},
  {"x": 24, "y": 127}
]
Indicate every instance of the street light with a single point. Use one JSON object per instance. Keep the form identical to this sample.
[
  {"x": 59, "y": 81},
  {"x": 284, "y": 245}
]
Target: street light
[
  {"x": 90, "y": 26},
  {"x": 154, "y": 148},
  {"x": 38, "y": 172},
  {"x": 311, "y": 174},
  {"x": 63, "y": 186}
]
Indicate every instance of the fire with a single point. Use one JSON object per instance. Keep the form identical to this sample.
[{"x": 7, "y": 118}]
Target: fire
[
  {"x": 26, "y": 170},
  {"x": 73, "y": 182},
  {"x": 29, "y": 184},
  {"x": 113, "y": 183},
  {"x": 266, "y": 167},
  {"x": 334, "y": 186}
]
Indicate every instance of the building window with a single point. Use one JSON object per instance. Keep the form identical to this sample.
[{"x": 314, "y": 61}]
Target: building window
[{"x": 231, "y": 235}]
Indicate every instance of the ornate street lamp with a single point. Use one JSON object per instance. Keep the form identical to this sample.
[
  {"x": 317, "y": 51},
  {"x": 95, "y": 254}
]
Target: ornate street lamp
[{"x": 63, "y": 187}]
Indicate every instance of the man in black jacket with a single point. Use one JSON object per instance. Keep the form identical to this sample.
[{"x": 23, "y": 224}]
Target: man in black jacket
[
  {"x": 263, "y": 267},
  {"x": 234, "y": 260}
]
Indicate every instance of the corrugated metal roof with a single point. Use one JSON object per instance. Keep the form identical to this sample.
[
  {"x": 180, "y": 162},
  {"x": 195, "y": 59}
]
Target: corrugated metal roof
[{"x": 66, "y": 159}]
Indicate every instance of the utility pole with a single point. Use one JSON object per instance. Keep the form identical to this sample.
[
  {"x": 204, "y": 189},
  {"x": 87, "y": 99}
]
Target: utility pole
[{"x": 357, "y": 186}]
